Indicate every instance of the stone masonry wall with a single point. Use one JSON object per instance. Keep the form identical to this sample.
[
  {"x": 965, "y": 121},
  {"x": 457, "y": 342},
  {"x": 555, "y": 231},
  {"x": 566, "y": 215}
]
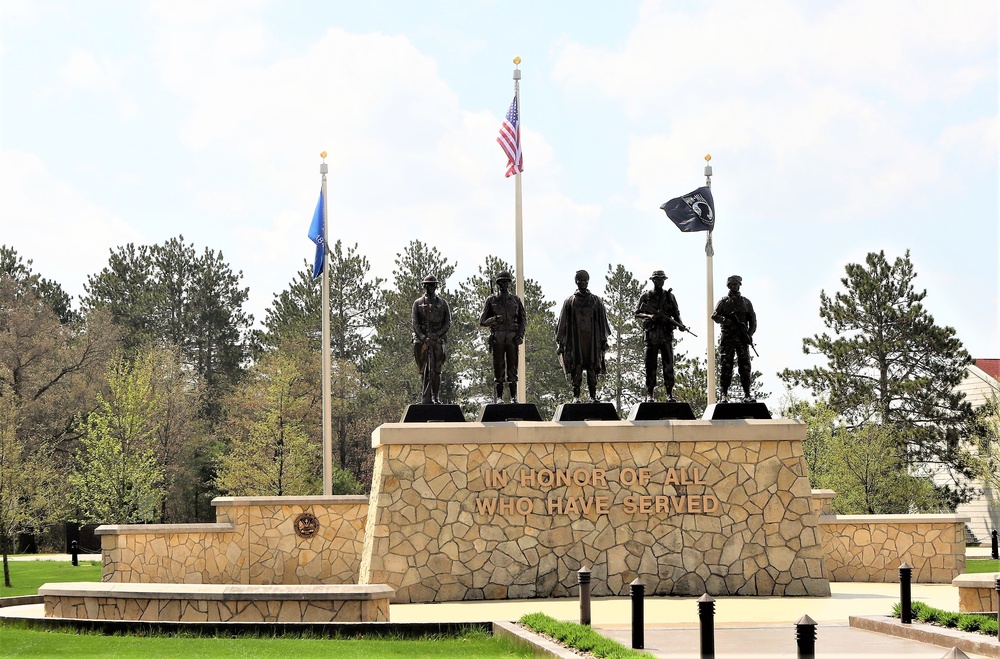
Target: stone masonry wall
[
  {"x": 870, "y": 548},
  {"x": 689, "y": 507},
  {"x": 232, "y": 610},
  {"x": 253, "y": 542}
]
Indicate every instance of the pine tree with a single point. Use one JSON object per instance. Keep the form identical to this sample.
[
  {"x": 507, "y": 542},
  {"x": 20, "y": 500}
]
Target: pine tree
[
  {"x": 624, "y": 382},
  {"x": 888, "y": 362}
]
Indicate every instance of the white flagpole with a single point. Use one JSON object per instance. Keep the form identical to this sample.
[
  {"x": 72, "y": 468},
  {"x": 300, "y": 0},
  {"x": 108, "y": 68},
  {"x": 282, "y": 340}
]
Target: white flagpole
[
  {"x": 710, "y": 333},
  {"x": 327, "y": 411},
  {"x": 519, "y": 240}
]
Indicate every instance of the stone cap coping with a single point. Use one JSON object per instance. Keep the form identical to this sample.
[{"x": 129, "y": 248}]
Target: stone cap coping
[
  {"x": 980, "y": 580},
  {"x": 224, "y": 592},
  {"x": 823, "y": 494},
  {"x": 893, "y": 519},
  {"x": 340, "y": 499},
  {"x": 164, "y": 529},
  {"x": 576, "y": 432}
]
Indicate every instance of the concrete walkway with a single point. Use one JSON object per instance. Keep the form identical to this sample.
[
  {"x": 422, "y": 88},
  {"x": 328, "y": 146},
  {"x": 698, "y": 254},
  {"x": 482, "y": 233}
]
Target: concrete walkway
[{"x": 745, "y": 626}]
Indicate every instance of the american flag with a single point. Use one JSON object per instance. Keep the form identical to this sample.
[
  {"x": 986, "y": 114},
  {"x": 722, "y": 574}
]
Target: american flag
[{"x": 510, "y": 140}]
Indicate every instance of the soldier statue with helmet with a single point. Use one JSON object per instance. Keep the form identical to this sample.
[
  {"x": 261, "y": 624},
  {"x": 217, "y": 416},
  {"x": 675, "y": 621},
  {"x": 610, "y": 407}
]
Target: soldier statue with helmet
[
  {"x": 503, "y": 314},
  {"x": 431, "y": 319},
  {"x": 739, "y": 322},
  {"x": 660, "y": 315}
]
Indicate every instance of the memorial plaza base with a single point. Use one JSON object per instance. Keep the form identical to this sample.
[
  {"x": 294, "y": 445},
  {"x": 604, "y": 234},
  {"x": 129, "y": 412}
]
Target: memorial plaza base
[{"x": 492, "y": 511}]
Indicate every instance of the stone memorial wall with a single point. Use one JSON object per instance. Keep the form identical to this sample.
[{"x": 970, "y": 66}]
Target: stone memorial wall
[{"x": 513, "y": 510}]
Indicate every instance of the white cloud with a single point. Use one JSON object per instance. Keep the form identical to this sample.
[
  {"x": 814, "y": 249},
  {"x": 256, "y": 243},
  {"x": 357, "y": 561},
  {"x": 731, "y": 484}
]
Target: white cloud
[
  {"x": 100, "y": 74},
  {"x": 54, "y": 224},
  {"x": 812, "y": 104}
]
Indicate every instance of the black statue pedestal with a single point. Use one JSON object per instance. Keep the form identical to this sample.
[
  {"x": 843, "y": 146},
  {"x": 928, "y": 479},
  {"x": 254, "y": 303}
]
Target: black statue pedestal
[
  {"x": 586, "y": 412},
  {"x": 730, "y": 411},
  {"x": 661, "y": 411},
  {"x": 421, "y": 413},
  {"x": 495, "y": 412}
]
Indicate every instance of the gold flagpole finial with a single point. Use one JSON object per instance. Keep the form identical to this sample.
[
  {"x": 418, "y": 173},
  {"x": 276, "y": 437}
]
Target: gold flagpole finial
[
  {"x": 517, "y": 61},
  {"x": 708, "y": 157},
  {"x": 322, "y": 154}
]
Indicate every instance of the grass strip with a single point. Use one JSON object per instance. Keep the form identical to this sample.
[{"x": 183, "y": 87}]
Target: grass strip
[
  {"x": 979, "y": 565},
  {"x": 26, "y": 577},
  {"x": 579, "y": 637},
  {"x": 967, "y": 622},
  {"x": 19, "y": 640}
]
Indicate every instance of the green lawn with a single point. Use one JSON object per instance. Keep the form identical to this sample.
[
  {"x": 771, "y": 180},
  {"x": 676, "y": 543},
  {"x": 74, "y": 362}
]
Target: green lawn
[
  {"x": 981, "y": 565},
  {"x": 26, "y": 577},
  {"x": 17, "y": 641}
]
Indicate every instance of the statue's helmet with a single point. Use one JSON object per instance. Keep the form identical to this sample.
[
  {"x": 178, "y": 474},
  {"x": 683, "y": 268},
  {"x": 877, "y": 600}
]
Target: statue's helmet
[
  {"x": 503, "y": 276},
  {"x": 658, "y": 274},
  {"x": 734, "y": 279},
  {"x": 582, "y": 274},
  {"x": 430, "y": 279}
]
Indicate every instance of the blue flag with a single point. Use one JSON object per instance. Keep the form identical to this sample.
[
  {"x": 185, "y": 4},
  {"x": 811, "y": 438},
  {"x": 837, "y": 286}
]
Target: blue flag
[
  {"x": 695, "y": 211},
  {"x": 316, "y": 235}
]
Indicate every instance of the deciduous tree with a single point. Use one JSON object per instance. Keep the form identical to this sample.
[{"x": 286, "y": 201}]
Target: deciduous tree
[{"x": 119, "y": 477}]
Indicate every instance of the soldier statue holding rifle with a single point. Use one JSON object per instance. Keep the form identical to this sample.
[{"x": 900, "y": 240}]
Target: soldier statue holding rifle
[
  {"x": 504, "y": 316},
  {"x": 739, "y": 322},
  {"x": 660, "y": 315},
  {"x": 431, "y": 320}
]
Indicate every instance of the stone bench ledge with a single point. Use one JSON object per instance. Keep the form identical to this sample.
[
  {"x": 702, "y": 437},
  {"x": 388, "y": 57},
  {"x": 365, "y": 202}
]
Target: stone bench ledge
[
  {"x": 978, "y": 580},
  {"x": 341, "y": 499},
  {"x": 224, "y": 592},
  {"x": 164, "y": 529},
  {"x": 588, "y": 432},
  {"x": 893, "y": 519}
]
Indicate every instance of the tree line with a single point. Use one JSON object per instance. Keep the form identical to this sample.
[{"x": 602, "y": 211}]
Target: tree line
[{"x": 157, "y": 393}]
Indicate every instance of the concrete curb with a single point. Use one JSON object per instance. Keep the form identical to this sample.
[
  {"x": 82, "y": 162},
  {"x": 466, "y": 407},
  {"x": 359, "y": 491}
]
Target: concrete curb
[
  {"x": 18, "y": 600},
  {"x": 541, "y": 646},
  {"x": 931, "y": 634}
]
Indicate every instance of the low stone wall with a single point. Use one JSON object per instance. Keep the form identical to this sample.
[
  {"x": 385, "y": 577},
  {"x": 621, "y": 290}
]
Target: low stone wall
[
  {"x": 977, "y": 592},
  {"x": 870, "y": 548},
  {"x": 216, "y": 603},
  {"x": 253, "y": 542},
  {"x": 822, "y": 502},
  {"x": 502, "y": 511}
]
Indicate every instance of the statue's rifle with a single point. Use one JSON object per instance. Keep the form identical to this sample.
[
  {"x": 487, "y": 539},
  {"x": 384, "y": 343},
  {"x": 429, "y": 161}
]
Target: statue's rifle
[
  {"x": 656, "y": 313},
  {"x": 744, "y": 332}
]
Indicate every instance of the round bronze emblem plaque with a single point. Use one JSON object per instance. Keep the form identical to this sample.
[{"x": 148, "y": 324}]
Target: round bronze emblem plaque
[{"x": 306, "y": 525}]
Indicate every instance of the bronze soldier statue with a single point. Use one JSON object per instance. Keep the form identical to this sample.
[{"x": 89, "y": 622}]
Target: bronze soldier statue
[
  {"x": 504, "y": 316},
  {"x": 431, "y": 320},
  {"x": 659, "y": 314},
  {"x": 739, "y": 322},
  {"x": 582, "y": 336}
]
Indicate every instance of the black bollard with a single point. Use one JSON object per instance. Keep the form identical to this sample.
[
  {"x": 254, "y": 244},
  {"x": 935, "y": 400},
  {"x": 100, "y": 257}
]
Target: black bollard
[
  {"x": 905, "y": 607},
  {"x": 994, "y": 554},
  {"x": 74, "y": 548},
  {"x": 638, "y": 590},
  {"x": 706, "y": 621},
  {"x": 805, "y": 637},
  {"x": 583, "y": 578}
]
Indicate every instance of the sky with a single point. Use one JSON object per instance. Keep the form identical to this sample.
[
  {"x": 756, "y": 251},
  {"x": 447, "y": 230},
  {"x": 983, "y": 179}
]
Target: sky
[{"x": 835, "y": 129}]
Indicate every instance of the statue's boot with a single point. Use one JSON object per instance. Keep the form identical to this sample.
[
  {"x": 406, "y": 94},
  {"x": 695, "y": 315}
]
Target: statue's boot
[
  {"x": 670, "y": 396},
  {"x": 499, "y": 392},
  {"x": 576, "y": 394},
  {"x": 650, "y": 398},
  {"x": 593, "y": 393},
  {"x": 426, "y": 398},
  {"x": 513, "y": 391}
]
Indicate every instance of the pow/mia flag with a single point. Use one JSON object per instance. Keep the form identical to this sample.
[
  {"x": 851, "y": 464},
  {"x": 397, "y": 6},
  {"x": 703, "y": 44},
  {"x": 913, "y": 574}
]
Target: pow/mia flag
[{"x": 694, "y": 211}]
